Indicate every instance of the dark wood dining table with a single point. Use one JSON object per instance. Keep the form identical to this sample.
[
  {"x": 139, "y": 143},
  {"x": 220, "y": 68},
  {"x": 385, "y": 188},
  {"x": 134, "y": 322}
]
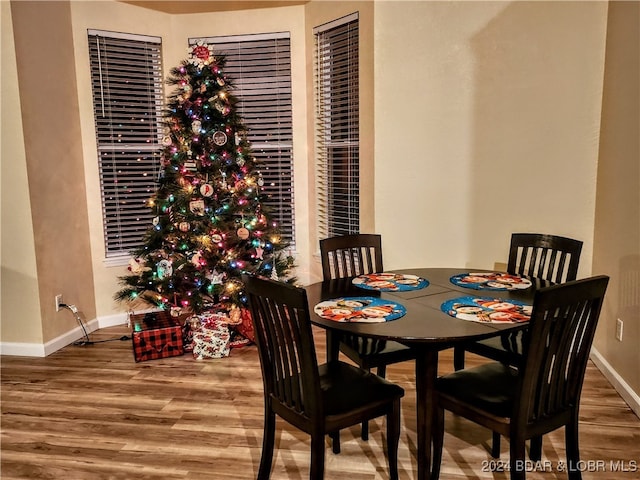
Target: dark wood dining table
[{"x": 424, "y": 327}]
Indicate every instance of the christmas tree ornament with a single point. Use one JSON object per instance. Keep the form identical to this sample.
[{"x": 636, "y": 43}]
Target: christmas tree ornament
[
  {"x": 243, "y": 233},
  {"x": 196, "y": 126},
  {"x": 219, "y": 138},
  {"x": 206, "y": 190},
  {"x": 164, "y": 269},
  {"x": 184, "y": 226},
  {"x": 197, "y": 259},
  {"x": 200, "y": 54},
  {"x": 166, "y": 141},
  {"x": 216, "y": 237},
  {"x": 260, "y": 180},
  {"x": 197, "y": 207}
]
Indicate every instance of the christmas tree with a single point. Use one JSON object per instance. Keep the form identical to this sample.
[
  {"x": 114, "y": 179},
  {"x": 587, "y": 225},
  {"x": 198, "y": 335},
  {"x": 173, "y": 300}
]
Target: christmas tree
[{"x": 209, "y": 224}]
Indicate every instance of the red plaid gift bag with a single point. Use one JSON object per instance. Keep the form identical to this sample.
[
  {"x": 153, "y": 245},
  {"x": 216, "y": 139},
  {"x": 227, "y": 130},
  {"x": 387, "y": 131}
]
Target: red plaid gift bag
[{"x": 155, "y": 335}]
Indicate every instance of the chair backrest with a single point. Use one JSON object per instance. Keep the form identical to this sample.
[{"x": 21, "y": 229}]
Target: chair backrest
[
  {"x": 351, "y": 255},
  {"x": 280, "y": 316},
  {"x": 561, "y": 330},
  {"x": 547, "y": 257}
]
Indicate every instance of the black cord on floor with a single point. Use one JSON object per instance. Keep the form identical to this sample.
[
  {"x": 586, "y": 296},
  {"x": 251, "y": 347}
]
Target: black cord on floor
[{"x": 87, "y": 340}]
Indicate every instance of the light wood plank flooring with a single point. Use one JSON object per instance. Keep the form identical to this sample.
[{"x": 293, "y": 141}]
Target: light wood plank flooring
[{"x": 91, "y": 412}]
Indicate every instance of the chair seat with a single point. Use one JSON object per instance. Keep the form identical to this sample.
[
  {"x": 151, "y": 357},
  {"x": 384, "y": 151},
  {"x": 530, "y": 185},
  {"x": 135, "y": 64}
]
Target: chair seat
[
  {"x": 491, "y": 387},
  {"x": 505, "y": 348},
  {"x": 369, "y": 353},
  {"x": 345, "y": 386}
]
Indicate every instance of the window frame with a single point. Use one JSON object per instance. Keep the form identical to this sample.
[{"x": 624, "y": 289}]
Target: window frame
[
  {"x": 337, "y": 142},
  {"x": 128, "y": 156}
]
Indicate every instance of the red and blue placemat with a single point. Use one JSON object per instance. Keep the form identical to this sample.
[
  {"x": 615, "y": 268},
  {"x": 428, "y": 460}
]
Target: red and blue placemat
[
  {"x": 390, "y": 282},
  {"x": 359, "y": 309},
  {"x": 488, "y": 310},
  {"x": 490, "y": 281}
]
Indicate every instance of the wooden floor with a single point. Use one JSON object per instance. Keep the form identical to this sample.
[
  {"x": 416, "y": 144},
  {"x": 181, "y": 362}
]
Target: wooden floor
[{"x": 91, "y": 412}]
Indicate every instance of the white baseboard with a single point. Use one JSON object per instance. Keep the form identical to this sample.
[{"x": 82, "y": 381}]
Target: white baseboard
[
  {"x": 42, "y": 350},
  {"x": 623, "y": 388}
]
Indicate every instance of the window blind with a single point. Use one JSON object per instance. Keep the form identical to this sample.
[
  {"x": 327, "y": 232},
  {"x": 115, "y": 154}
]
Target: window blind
[
  {"x": 126, "y": 81},
  {"x": 259, "y": 67},
  {"x": 337, "y": 127}
]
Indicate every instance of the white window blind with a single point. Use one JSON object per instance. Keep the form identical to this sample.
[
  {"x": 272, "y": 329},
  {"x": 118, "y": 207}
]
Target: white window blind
[
  {"x": 337, "y": 141},
  {"x": 126, "y": 80},
  {"x": 259, "y": 68}
]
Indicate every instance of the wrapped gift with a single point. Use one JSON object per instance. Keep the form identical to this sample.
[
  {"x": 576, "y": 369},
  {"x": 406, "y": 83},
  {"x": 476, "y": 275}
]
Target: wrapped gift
[
  {"x": 156, "y": 335},
  {"x": 211, "y": 340},
  {"x": 245, "y": 327}
]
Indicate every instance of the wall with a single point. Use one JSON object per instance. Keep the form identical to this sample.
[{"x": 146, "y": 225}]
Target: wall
[
  {"x": 487, "y": 118},
  {"x": 20, "y": 297},
  {"x": 617, "y": 220},
  {"x": 56, "y": 186}
]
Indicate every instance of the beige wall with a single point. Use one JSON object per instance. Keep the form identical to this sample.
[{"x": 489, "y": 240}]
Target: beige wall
[
  {"x": 56, "y": 183},
  {"x": 617, "y": 222},
  {"x": 20, "y": 320},
  {"x": 487, "y": 118}
]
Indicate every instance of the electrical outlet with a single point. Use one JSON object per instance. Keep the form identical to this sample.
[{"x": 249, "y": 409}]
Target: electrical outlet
[
  {"x": 619, "y": 327},
  {"x": 58, "y": 302}
]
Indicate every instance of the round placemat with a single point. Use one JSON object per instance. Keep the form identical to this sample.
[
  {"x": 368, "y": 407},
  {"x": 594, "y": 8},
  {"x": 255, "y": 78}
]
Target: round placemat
[
  {"x": 490, "y": 281},
  {"x": 359, "y": 309},
  {"x": 390, "y": 282},
  {"x": 487, "y": 310}
]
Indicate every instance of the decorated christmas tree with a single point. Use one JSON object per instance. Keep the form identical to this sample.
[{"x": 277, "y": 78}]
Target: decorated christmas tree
[{"x": 209, "y": 222}]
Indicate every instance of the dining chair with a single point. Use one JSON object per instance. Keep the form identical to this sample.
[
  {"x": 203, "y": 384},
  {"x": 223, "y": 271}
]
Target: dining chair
[
  {"x": 544, "y": 393},
  {"x": 538, "y": 256},
  {"x": 349, "y": 256},
  {"x": 317, "y": 399}
]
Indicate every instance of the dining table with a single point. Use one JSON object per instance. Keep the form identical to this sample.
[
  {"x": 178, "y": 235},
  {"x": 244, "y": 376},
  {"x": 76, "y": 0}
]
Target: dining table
[{"x": 422, "y": 324}]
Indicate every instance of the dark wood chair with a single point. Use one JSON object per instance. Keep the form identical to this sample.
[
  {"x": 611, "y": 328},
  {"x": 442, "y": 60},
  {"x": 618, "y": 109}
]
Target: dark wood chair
[
  {"x": 349, "y": 256},
  {"x": 544, "y": 393},
  {"x": 317, "y": 399},
  {"x": 537, "y": 256}
]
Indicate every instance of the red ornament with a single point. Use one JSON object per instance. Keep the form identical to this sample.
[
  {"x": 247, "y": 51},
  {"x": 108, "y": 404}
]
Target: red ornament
[{"x": 201, "y": 52}]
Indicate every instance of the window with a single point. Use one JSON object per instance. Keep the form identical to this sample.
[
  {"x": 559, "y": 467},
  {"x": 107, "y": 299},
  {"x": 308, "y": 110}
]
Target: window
[
  {"x": 260, "y": 68},
  {"x": 126, "y": 80},
  {"x": 337, "y": 142}
]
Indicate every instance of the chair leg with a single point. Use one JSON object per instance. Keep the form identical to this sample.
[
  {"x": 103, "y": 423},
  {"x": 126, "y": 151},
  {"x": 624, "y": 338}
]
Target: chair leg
[
  {"x": 335, "y": 442},
  {"x": 268, "y": 440},
  {"x": 458, "y": 358},
  {"x": 438, "y": 441},
  {"x": 317, "y": 457},
  {"x": 535, "y": 449},
  {"x": 364, "y": 432},
  {"x": 517, "y": 451},
  {"x": 573, "y": 449},
  {"x": 495, "y": 445},
  {"x": 393, "y": 439}
]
